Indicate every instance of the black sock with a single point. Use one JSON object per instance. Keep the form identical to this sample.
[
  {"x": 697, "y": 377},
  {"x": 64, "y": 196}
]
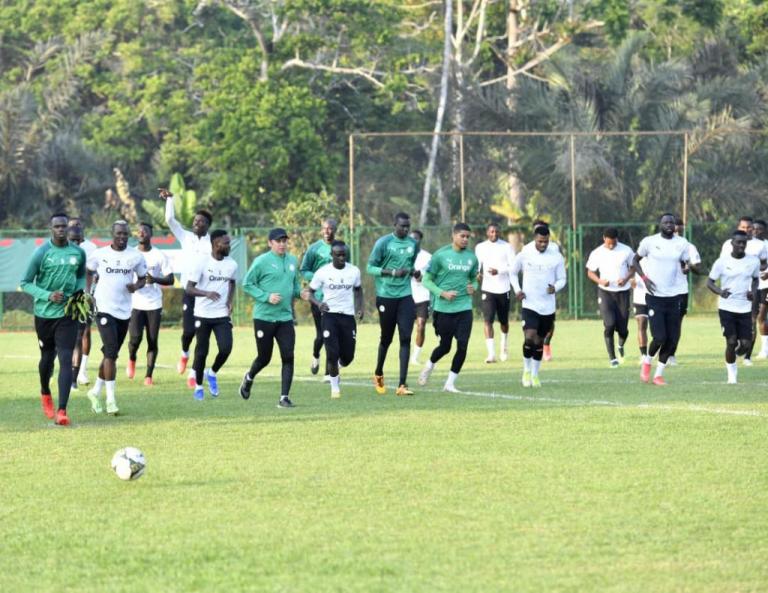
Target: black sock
[{"x": 644, "y": 350}]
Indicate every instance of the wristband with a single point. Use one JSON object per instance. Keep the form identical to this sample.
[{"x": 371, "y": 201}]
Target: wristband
[{"x": 644, "y": 278}]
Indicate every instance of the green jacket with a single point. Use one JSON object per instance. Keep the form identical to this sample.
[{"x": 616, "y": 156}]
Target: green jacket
[
  {"x": 392, "y": 253},
  {"x": 54, "y": 268},
  {"x": 451, "y": 270},
  {"x": 270, "y": 273}
]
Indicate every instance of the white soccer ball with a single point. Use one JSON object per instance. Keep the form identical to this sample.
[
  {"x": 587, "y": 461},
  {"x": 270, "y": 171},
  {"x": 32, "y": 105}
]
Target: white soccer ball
[{"x": 129, "y": 463}]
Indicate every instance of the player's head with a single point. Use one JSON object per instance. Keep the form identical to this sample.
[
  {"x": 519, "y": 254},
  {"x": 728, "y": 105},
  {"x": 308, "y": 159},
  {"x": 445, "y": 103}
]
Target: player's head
[
  {"x": 278, "y": 241},
  {"x": 201, "y": 222},
  {"x": 75, "y": 231},
  {"x": 760, "y": 228},
  {"x": 417, "y": 235},
  {"x": 220, "y": 243},
  {"x": 328, "y": 229},
  {"x": 339, "y": 254},
  {"x": 120, "y": 234},
  {"x": 679, "y": 226},
  {"x": 610, "y": 237},
  {"x": 461, "y": 233},
  {"x": 739, "y": 242},
  {"x": 539, "y": 222},
  {"x": 746, "y": 224},
  {"x": 402, "y": 225},
  {"x": 58, "y": 224},
  {"x": 144, "y": 233},
  {"x": 541, "y": 238},
  {"x": 492, "y": 232},
  {"x": 667, "y": 224}
]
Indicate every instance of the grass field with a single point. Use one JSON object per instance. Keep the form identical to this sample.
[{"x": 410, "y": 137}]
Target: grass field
[{"x": 594, "y": 482}]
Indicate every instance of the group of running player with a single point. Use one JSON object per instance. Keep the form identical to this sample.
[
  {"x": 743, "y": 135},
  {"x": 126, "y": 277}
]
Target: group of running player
[{"x": 410, "y": 283}]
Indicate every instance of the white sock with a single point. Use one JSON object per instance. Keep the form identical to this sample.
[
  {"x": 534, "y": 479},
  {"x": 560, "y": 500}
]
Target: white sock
[
  {"x": 732, "y": 369},
  {"x": 430, "y": 365},
  {"x": 416, "y": 352},
  {"x": 491, "y": 347},
  {"x": 315, "y": 361},
  {"x": 110, "y": 391},
  {"x": 535, "y": 366},
  {"x": 210, "y": 372},
  {"x": 191, "y": 373},
  {"x": 83, "y": 363},
  {"x": 527, "y": 364},
  {"x": 334, "y": 383},
  {"x": 451, "y": 380},
  {"x": 98, "y": 385},
  {"x": 504, "y": 341},
  {"x": 185, "y": 354},
  {"x": 647, "y": 359},
  {"x": 763, "y": 338},
  {"x": 659, "y": 372}
]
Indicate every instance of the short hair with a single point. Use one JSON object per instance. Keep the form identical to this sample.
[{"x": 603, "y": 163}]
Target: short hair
[
  {"x": 761, "y": 222},
  {"x": 119, "y": 223},
  {"x": 58, "y": 215},
  {"x": 539, "y": 223},
  {"x": 148, "y": 225},
  {"x": 668, "y": 214},
  {"x": 401, "y": 216},
  {"x": 73, "y": 220},
  {"x": 611, "y": 233},
  {"x": 205, "y": 214},
  {"x": 338, "y": 243},
  {"x": 747, "y": 219},
  {"x": 218, "y": 233},
  {"x": 739, "y": 234},
  {"x": 417, "y": 232},
  {"x": 678, "y": 221},
  {"x": 331, "y": 222},
  {"x": 461, "y": 226},
  {"x": 493, "y": 224},
  {"x": 541, "y": 230}
]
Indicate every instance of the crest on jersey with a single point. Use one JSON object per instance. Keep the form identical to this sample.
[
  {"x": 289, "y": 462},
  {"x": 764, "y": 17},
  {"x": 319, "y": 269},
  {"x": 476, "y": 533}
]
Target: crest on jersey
[
  {"x": 292, "y": 268},
  {"x": 73, "y": 261}
]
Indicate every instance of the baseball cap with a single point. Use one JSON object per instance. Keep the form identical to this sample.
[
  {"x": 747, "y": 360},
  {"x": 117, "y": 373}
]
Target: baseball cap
[{"x": 278, "y": 233}]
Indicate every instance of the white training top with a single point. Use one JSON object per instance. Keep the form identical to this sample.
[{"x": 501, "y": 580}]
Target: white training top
[
  {"x": 150, "y": 298},
  {"x": 661, "y": 262},
  {"x": 338, "y": 287},
  {"x": 539, "y": 271},
  {"x": 213, "y": 274},
  {"x": 420, "y": 294},
  {"x": 613, "y": 265},
  {"x": 639, "y": 292},
  {"x": 88, "y": 246},
  {"x": 755, "y": 247},
  {"x": 193, "y": 247},
  {"x": 681, "y": 280},
  {"x": 736, "y": 275},
  {"x": 116, "y": 270},
  {"x": 497, "y": 255}
]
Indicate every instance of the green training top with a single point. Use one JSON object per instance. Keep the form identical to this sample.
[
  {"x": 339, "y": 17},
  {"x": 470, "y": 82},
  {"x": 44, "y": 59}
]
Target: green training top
[
  {"x": 54, "y": 268},
  {"x": 318, "y": 254},
  {"x": 392, "y": 253},
  {"x": 451, "y": 270},
  {"x": 273, "y": 273}
]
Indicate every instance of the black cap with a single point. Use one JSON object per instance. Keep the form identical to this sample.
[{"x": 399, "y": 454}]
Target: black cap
[{"x": 277, "y": 233}]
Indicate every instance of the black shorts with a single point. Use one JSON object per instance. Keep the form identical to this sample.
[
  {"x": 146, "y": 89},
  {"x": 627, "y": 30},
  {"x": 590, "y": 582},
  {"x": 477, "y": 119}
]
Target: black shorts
[
  {"x": 640, "y": 310},
  {"x": 543, "y": 324},
  {"x": 56, "y": 334},
  {"x": 339, "y": 336},
  {"x": 422, "y": 310},
  {"x": 453, "y": 325},
  {"x": 495, "y": 305},
  {"x": 683, "y": 304},
  {"x": 112, "y": 332},
  {"x": 738, "y": 325}
]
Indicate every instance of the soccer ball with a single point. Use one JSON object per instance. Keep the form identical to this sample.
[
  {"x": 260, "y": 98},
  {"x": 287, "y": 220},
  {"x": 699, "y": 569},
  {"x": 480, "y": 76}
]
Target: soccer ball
[{"x": 129, "y": 463}]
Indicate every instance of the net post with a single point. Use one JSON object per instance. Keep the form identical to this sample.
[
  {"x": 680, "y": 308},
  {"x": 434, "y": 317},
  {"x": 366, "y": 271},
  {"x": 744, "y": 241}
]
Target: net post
[
  {"x": 461, "y": 175},
  {"x": 353, "y": 247}
]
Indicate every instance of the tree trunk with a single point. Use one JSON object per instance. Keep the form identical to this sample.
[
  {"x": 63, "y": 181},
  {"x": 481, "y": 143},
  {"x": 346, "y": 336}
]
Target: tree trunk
[
  {"x": 514, "y": 187},
  {"x": 447, "y": 31}
]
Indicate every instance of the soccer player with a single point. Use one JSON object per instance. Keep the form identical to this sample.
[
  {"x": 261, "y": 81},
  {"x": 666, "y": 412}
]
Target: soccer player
[
  {"x": 761, "y": 233},
  {"x": 738, "y": 275},
  {"x": 392, "y": 263},
  {"x": 212, "y": 283},
  {"x": 552, "y": 248},
  {"x": 662, "y": 256},
  {"x": 318, "y": 254},
  {"x": 147, "y": 304},
  {"x": 195, "y": 244},
  {"x": 641, "y": 315},
  {"x": 55, "y": 273},
  {"x": 681, "y": 282},
  {"x": 756, "y": 247},
  {"x": 543, "y": 272},
  {"x": 452, "y": 278},
  {"x": 339, "y": 283},
  {"x": 273, "y": 280},
  {"x": 495, "y": 257},
  {"x": 421, "y": 296},
  {"x": 76, "y": 232},
  {"x": 610, "y": 267},
  {"x": 116, "y": 265}
]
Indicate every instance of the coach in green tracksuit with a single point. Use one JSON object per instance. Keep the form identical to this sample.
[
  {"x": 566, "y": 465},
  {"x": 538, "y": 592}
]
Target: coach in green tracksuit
[
  {"x": 57, "y": 271},
  {"x": 273, "y": 280},
  {"x": 391, "y": 263},
  {"x": 318, "y": 254},
  {"x": 452, "y": 279}
]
